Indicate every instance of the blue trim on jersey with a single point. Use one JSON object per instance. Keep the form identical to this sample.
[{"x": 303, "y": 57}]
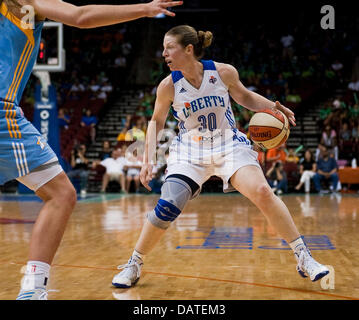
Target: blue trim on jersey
[
  {"x": 241, "y": 139},
  {"x": 228, "y": 115},
  {"x": 208, "y": 65},
  {"x": 176, "y": 76},
  {"x": 174, "y": 112}
]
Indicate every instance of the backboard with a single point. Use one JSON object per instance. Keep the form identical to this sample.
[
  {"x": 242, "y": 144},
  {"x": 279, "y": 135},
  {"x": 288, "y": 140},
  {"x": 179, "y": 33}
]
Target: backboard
[{"x": 51, "y": 55}]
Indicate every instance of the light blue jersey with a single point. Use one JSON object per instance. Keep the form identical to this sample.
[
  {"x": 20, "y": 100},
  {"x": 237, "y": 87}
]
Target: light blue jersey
[{"x": 22, "y": 148}]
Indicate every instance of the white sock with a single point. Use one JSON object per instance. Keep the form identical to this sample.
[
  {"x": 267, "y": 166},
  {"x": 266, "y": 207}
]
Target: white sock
[
  {"x": 36, "y": 275},
  {"x": 138, "y": 255},
  {"x": 298, "y": 245}
]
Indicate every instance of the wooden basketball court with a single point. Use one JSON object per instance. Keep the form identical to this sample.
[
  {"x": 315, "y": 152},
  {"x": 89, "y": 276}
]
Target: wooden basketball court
[{"x": 221, "y": 248}]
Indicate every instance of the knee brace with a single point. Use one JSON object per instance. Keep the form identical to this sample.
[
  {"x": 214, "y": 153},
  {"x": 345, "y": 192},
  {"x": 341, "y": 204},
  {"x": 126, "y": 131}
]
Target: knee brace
[{"x": 174, "y": 195}]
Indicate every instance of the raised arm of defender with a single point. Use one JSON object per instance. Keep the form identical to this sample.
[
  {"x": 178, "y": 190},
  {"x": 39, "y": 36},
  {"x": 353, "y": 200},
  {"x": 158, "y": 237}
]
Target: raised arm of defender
[
  {"x": 245, "y": 97},
  {"x": 91, "y": 16}
]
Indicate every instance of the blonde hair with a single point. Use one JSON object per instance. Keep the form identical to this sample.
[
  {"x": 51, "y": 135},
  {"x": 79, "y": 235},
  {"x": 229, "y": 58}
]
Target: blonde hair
[{"x": 188, "y": 35}]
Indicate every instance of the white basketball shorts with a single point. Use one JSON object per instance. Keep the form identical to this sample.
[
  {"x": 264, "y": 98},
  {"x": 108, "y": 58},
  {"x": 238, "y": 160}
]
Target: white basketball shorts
[{"x": 199, "y": 160}]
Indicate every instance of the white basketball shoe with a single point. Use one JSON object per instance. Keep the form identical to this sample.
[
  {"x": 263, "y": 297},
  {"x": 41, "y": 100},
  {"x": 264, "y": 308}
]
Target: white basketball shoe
[
  {"x": 36, "y": 294},
  {"x": 130, "y": 274},
  {"x": 307, "y": 266}
]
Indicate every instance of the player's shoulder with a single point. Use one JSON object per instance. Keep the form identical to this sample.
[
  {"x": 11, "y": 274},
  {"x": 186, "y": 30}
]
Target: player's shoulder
[
  {"x": 166, "y": 87},
  {"x": 166, "y": 83},
  {"x": 225, "y": 68},
  {"x": 227, "y": 72}
]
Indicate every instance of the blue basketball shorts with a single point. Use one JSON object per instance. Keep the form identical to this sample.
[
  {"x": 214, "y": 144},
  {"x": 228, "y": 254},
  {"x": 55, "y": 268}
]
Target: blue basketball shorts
[{"x": 22, "y": 148}]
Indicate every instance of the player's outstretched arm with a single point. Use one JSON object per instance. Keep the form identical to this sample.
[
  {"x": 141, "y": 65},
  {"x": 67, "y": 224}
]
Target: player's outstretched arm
[
  {"x": 163, "y": 102},
  {"x": 245, "y": 97},
  {"x": 92, "y": 16}
]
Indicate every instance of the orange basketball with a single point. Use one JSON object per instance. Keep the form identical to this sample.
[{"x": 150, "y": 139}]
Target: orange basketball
[{"x": 269, "y": 128}]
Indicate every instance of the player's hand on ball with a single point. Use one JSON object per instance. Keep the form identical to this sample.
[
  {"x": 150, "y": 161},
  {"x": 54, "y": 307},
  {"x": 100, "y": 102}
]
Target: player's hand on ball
[
  {"x": 160, "y": 6},
  {"x": 289, "y": 113},
  {"x": 146, "y": 175}
]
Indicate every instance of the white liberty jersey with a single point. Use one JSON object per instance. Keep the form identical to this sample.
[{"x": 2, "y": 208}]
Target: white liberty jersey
[{"x": 207, "y": 110}]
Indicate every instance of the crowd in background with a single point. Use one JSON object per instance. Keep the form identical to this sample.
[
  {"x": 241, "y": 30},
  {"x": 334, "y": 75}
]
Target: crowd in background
[{"x": 286, "y": 64}]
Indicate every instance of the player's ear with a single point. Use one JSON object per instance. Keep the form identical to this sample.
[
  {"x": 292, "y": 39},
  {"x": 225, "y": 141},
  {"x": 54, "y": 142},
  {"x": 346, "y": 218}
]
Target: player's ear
[{"x": 189, "y": 49}]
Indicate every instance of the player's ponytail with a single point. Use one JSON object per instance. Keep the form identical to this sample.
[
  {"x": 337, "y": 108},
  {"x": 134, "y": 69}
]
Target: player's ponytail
[
  {"x": 204, "y": 39},
  {"x": 188, "y": 35}
]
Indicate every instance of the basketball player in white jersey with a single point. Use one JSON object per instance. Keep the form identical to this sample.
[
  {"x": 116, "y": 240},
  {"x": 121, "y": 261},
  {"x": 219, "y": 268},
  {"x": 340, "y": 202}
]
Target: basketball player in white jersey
[{"x": 208, "y": 144}]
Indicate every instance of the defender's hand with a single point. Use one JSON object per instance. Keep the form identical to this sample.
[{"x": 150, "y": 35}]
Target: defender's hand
[{"x": 160, "y": 6}]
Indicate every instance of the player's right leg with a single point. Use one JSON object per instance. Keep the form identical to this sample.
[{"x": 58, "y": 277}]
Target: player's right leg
[
  {"x": 250, "y": 182},
  {"x": 175, "y": 193}
]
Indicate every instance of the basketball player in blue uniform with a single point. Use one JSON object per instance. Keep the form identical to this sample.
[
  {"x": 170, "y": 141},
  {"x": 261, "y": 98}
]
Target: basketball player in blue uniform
[
  {"x": 24, "y": 155},
  {"x": 208, "y": 144}
]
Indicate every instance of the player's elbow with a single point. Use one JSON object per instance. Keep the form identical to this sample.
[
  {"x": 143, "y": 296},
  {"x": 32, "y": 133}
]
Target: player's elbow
[{"x": 81, "y": 18}]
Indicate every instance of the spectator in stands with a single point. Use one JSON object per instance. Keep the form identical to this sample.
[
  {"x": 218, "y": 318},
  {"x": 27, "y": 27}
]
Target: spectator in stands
[
  {"x": 126, "y": 121},
  {"x": 355, "y": 132},
  {"x": 276, "y": 154},
  {"x": 344, "y": 133},
  {"x": 106, "y": 150},
  {"x": 270, "y": 95},
  {"x": 126, "y": 48},
  {"x": 265, "y": 80},
  {"x": 122, "y": 136},
  {"x": 133, "y": 167},
  {"x": 345, "y": 142},
  {"x": 94, "y": 89},
  {"x": 79, "y": 164},
  {"x": 281, "y": 81},
  {"x": 141, "y": 111},
  {"x": 355, "y": 135},
  {"x": 338, "y": 103},
  {"x": 329, "y": 141},
  {"x": 337, "y": 66},
  {"x": 287, "y": 42},
  {"x": 105, "y": 91},
  {"x": 90, "y": 121},
  {"x": 114, "y": 170},
  {"x": 102, "y": 95},
  {"x": 148, "y": 98},
  {"x": 138, "y": 131},
  {"x": 334, "y": 119},
  {"x": 327, "y": 170},
  {"x": 354, "y": 111},
  {"x": 277, "y": 178},
  {"x": 324, "y": 112},
  {"x": 307, "y": 169},
  {"x": 77, "y": 86},
  {"x": 120, "y": 62},
  {"x": 63, "y": 119},
  {"x": 354, "y": 85},
  {"x": 292, "y": 156},
  {"x": 293, "y": 96}
]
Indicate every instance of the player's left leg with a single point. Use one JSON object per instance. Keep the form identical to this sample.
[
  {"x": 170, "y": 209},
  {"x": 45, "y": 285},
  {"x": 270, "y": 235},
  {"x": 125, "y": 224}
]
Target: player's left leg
[
  {"x": 59, "y": 198},
  {"x": 176, "y": 191},
  {"x": 250, "y": 181}
]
